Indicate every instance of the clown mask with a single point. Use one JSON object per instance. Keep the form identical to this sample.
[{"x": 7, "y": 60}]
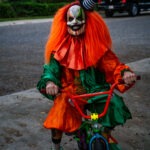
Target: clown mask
[{"x": 75, "y": 20}]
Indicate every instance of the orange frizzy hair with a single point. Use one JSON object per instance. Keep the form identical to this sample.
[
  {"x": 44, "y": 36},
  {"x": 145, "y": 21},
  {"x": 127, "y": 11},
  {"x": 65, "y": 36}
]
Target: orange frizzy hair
[
  {"x": 97, "y": 38},
  {"x": 58, "y": 32}
]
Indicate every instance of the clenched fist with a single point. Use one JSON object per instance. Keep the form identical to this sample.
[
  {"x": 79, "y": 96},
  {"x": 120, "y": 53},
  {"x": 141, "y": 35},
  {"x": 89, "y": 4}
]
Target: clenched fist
[
  {"x": 51, "y": 88},
  {"x": 129, "y": 77}
]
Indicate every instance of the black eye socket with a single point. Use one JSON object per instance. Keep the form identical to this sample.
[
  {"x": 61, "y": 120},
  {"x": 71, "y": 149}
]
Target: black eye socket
[
  {"x": 71, "y": 18},
  {"x": 80, "y": 18}
]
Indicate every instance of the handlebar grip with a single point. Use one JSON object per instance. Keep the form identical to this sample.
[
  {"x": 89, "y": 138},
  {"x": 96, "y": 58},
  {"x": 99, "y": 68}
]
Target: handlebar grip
[
  {"x": 43, "y": 91},
  {"x": 138, "y": 77}
]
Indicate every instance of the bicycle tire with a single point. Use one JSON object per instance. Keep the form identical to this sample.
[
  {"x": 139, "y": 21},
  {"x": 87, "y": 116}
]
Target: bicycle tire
[{"x": 98, "y": 144}]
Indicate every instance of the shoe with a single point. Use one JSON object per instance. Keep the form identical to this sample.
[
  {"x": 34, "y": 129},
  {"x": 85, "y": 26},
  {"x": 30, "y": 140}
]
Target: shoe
[{"x": 54, "y": 148}]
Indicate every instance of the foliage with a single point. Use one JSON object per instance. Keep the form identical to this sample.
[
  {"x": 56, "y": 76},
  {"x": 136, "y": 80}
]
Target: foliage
[
  {"x": 38, "y": 1},
  {"x": 28, "y": 9},
  {"x": 7, "y": 11}
]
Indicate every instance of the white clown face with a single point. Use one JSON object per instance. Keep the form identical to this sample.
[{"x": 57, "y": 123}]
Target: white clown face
[{"x": 75, "y": 20}]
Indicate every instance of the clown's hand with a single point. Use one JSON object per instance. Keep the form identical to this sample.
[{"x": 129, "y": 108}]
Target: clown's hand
[
  {"x": 51, "y": 88},
  {"x": 129, "y": 78}
]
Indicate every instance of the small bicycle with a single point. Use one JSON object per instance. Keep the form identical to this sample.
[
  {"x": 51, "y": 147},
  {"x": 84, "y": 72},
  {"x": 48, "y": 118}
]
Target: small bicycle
[{"x": 90, "y": 130}]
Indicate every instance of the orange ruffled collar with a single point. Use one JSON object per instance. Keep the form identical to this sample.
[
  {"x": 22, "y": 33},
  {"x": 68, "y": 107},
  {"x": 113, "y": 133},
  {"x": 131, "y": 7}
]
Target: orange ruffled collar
[{"x": 71, "y": 53}]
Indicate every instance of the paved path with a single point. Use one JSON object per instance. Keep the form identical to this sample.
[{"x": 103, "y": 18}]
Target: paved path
[
  {"x": 22, "y": 115},
  {"x": 19, "y": 22}
]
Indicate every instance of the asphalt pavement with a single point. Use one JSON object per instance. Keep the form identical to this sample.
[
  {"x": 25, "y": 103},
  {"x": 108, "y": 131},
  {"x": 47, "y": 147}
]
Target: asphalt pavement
[{"x": 22, "y": 115}]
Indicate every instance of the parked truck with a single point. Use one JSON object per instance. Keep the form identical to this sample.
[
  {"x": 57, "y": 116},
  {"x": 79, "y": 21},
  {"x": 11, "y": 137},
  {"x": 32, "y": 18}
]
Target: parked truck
[{"x": 133, "y": 7}]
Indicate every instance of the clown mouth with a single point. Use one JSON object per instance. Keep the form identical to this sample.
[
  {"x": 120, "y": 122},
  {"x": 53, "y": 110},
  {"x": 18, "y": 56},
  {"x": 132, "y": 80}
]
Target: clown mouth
[{"x": 75, "y": 27}]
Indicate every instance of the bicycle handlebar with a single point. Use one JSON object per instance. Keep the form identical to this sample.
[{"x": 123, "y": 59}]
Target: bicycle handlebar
[
  {"x": 109, "y": 93},
  {"x": 73, "y": 98}
]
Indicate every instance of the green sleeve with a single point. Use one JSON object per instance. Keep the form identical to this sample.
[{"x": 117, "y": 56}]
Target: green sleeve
[{"x": 51, "y": 72}]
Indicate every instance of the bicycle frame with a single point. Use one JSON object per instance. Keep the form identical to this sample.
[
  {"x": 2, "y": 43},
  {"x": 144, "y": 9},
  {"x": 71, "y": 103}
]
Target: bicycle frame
[
  {"x": 109, "y": 93},
  {"x": 74, "y": 98},
  {"x": 94, "y": 116}
]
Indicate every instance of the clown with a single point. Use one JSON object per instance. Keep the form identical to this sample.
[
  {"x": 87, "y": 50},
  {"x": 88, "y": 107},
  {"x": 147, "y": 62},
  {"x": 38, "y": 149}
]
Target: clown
[{"x": 79, "y": 59}]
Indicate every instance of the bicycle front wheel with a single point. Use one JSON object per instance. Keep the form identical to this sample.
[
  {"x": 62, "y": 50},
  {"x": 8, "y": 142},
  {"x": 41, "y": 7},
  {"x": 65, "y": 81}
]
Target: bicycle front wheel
[{"x": 99, "y": 144}]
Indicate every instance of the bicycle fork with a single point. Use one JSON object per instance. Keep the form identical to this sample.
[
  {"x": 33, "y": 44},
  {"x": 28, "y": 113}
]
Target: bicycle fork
[{"x": 100, "y": 137}]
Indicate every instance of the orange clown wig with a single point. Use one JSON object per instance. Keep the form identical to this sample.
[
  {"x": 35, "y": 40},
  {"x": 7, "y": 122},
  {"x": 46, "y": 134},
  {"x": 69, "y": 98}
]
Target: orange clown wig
[{"x": 96, "y": 37}]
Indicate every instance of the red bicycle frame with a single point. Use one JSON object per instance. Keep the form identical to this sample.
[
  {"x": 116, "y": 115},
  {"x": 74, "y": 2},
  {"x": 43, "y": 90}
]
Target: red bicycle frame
[{"x": 109, "y": 93}]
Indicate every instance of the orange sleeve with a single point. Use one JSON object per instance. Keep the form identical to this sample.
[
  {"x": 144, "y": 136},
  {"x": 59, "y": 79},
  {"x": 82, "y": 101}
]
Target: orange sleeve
[{"x": 112, "y": 68}]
